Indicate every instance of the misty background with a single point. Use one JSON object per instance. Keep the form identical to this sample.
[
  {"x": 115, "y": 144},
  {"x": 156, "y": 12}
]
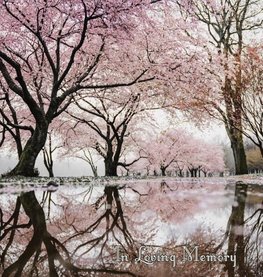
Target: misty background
[{"x": 76, "y": 167}]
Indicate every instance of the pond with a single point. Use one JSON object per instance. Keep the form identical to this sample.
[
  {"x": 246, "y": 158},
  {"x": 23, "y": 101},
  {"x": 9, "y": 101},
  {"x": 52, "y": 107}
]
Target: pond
[{"x": 156, "y": 227}]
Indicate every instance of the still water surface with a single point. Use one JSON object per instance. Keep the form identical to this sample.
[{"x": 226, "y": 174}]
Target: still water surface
[{"x": 161, "y": 227}]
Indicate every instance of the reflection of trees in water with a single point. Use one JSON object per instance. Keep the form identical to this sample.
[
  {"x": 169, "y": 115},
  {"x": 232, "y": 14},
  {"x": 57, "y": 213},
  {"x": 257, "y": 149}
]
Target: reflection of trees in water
[
  {"x": 40, "y": 235},
  {"x": 79, "y": 239},
  {"x": 244, "y": 237},
  {"x": 63, "y": 245},
  {"x": 33, "y": 248},
  {"x": 42, "y": 247},
  {"x": 8, "y": 229},
  {"x": 111, "y": 225},
  {"x": 254, "y": 241}
]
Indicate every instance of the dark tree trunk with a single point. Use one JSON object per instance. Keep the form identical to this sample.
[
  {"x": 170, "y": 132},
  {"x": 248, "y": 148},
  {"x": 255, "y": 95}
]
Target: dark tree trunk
[
  {"x": 193, "y": 172},
  {"x": 50, "y": 172},
  {"x": 238, "y": 149},
  {"x": 110, "y": 167},
  {"x": 233, "y": 124},
  {"x": 34, "y": 145},
  {"x": 163, "y": 170}
]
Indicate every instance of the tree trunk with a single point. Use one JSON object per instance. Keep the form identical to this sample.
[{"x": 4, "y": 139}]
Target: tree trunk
[
  {"x": 94, "y": 171},
  {"x": 110, "y": 167},
  {"x": 233, "y": 122},
  {"x": 163, "y": 170},
  {"x": 48, "y": 157},
  {"x": 48, "y": 162},
  {"x": 238, "y": 149},
  {"x": 34, "y": 145},
  {"x": 50, "y": 172},
  {"x": 193, "y": 172},
  {"x": 180, "y": 173}
]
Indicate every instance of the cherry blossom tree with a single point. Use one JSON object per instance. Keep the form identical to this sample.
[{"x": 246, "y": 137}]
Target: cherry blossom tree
[
  {"x": 201, "y": 156},
  {"x": 178, "y": 150},
  {"x": 105, "y": 122},
  {"x": 211, "y": 159},
  {"x": 229, "y": 27},
  {"x": 165, "y": 149},
  {"x": 51, "y": 50},
  {"x": 252, "y": 112}
]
